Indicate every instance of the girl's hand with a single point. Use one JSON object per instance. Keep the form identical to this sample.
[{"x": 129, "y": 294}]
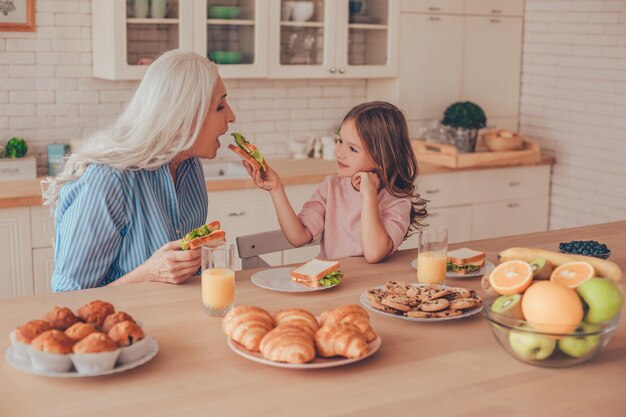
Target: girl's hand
[
  {"x": 366, "y": 182},
  {"x": 172, "y": 265},
  {"x": 267, "y": 180}
]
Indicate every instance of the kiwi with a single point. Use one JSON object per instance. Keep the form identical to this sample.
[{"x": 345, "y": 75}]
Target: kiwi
[
  {"x": 484, "y": 282},
  {"x": 509, "y": 305},
  {"x": 542, "y": 268}
]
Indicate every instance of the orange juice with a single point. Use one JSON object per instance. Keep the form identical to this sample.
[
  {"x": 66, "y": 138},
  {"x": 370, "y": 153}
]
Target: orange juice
[
  {"x": 218, "y": 288},
  {"x": 431, "y": 267}
]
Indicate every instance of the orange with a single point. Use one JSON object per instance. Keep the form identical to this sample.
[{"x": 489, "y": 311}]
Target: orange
[
  {"x": 511, "y": 277},
  {"x": 572, "y": 274},
  {"x": 552, "y": 308}
]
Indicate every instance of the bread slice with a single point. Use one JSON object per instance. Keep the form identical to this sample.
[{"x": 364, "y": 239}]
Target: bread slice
[
  {"x": 466, "y": 256},
  {"x": 311, "y": 272}
]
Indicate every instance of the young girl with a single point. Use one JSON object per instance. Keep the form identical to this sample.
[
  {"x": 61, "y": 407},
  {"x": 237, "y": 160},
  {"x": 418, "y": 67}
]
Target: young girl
[{"x": 371, "y": 205}]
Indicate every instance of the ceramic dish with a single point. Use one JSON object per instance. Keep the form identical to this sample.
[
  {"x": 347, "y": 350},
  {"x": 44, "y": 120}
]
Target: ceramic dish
[{"x": 279, "y": 279}]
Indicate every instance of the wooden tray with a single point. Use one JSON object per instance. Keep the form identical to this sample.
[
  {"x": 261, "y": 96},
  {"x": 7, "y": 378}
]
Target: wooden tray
[{"x": 449, "y": 156}]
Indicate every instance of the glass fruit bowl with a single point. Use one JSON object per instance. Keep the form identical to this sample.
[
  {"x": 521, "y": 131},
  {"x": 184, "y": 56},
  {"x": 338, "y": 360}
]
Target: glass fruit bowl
[{"x": 552, "y": 350}]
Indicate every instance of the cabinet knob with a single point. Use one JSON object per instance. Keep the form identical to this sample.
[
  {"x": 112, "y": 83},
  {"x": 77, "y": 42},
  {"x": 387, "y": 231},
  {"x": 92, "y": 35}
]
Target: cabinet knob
[
  {"x": 514, "y": 183},
  {"x": 342, "y": 70},
  {"x": 496, "y": 11},
  {"x": 512, "y": 205},
  {"x": 432, "y": 191},
  {"x": 434, "y": 9},
  {"x": 236, "y": 213},
  {"x": 434, "y": 19},
  {"x": 495, "y": 20},
  {"x": 333, "y": 70}
]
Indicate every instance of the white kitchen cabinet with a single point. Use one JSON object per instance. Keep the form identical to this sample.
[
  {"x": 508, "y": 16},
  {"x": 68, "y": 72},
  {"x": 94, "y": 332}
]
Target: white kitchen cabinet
[
  {"x": 335, "y": 42},
  {"x": 495, "y": 7},
  {"x": 16, "y": 267},
  {"x": 43, "y": 267},
  {"x": 511, "y": 217}
]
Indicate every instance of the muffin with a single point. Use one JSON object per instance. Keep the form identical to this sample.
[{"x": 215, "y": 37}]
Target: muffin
[
  {"x": 49, "y": 351},
  {"x": 95, "y": 312},
  {"x": 112, "y": 319},
  {"x": 131, "y": 340},
  {"x": 27, "y": 332},
  {"x": 60, "y": 318},
  {"x": 78, "y": 331},
  {"x": 94, "y": 354}
]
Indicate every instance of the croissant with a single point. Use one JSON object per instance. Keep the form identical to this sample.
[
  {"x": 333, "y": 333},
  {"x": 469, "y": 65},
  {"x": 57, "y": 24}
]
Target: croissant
[
  {"x": 297, "y": 317},
  {"x": 288, "y": 344},
  {"x": 247, "y": 325},
  {"x": 353, "y": 314},
  {"x": 342, "y": 339}
]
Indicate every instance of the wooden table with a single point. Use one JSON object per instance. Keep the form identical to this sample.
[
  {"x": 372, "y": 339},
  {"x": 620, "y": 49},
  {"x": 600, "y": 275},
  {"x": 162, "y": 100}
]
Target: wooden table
[{"x": 452, "y": 368}]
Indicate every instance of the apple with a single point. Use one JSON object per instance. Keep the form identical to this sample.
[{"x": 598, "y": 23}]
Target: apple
[
  {"x": 531, "y": 346},
  {"x": 603, "y": 298},
  {"x": 578, "y": 346}
]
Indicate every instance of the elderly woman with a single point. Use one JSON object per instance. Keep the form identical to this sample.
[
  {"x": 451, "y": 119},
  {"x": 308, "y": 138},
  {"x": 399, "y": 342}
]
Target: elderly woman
[{"x": 131, "y": 191}]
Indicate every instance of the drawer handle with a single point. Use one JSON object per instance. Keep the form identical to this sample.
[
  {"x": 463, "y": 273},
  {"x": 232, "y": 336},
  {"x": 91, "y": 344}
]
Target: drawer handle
[
  {"x": 236, "y": 213},
  {"x": 514, "y": 183},
  {"x": 512, "y": 205},
  {"x": 434, "y": 19},
  {"x": 495, "y": 20},
  {"x": 434, "y": 9},
  {"x": 432, "y": 191},
  {"x": 496, "y": 11}
]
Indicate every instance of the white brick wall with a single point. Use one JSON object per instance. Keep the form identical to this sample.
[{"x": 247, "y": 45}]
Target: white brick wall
[
  {"x": 47, "y": 94},
  {"x": 573, "y": 101}
]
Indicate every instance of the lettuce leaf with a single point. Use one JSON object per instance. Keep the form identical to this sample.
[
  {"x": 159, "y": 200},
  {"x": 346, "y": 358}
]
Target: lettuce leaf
[
  {"x": 453, "y": 267},
  {"x": 334, "y": 278}
]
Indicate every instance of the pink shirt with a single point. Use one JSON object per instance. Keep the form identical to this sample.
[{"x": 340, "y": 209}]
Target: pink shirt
[{"x": 333, "y": 216}]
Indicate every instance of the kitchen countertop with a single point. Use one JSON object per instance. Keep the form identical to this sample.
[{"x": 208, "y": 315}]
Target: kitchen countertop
[
  {"x": 453, "y": 368},
  {"x": 292, "y": 171}
]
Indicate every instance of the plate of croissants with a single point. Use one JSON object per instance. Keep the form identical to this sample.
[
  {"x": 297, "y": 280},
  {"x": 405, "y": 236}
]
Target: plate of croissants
[
  {"x": 295, "y": 338},
  {"x": 94, "y": 341}
]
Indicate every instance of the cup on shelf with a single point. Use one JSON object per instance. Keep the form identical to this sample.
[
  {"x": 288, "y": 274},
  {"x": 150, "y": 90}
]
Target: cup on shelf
[
  {"x": 285, "y": 10},
  {"x": 159, "y": 8},
  {"x": 141, "y": 8},
  {"x": 301, "y": 11}
]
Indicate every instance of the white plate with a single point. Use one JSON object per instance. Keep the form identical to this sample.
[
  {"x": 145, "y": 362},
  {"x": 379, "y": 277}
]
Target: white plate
[
  {"x": 279, "y": 279},
  {"x": 25, "y": 366},
  {"x": 317, "y": 363},
  {"x": 366, "y": 303},
  {"x": 450, "y": 274}
]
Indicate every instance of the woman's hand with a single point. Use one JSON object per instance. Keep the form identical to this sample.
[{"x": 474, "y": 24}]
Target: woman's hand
[
  {"x": 366, "y": 183},
  {"x": 172, "y": 265},
  {"x": 268, "y": 180}
]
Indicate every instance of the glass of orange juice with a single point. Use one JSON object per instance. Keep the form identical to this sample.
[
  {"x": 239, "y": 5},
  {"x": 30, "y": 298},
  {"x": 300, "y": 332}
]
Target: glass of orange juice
[
  {"x": 218, "y": 279},
  {"x": 432, "y": 255}
]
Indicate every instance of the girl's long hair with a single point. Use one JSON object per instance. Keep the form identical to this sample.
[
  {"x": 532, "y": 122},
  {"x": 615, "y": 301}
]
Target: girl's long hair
[
  {"x": 385, "y": 135},
  {"x": 163, "y": 118}
]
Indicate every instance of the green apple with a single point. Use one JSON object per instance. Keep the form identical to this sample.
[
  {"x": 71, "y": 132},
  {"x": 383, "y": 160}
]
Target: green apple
[
  {"x": 531, "y": 346},
  {"x": 603, "y": 298},
  {"x": 578, "y": 346}
]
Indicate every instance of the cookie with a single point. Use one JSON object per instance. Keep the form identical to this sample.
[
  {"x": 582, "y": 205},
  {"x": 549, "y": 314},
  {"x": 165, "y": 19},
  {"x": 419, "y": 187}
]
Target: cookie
[
  {"x": 433, "y": 315},
  {"x": 459, "y": 292},
  {"x": 435, "y": 305},
  {"x": 378, "y": 306},
  {"x": 465, "y": 303},
  {"x": 397, "y": 287},
  {"x": 376, "y": 294},
  {"x": 398, "y": 302}
]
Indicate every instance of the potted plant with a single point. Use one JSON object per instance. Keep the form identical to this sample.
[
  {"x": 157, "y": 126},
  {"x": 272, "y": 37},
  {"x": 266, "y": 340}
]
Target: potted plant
[
  {"x": 13, "y": 162},
  {"x": 464, "y": 119}
]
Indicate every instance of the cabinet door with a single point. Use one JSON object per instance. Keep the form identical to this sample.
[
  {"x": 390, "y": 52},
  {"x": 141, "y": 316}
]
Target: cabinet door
[
  {"x": 431, "y": 64},
  {"x": 237, "y": 42},
  {"x": 511, "y": 217},
  {"x": 495, "y": 7},
  {"x": 16, "y": 268},
  {"x": 458, "y": 220},
  {"x": 41, "y": 227},
  {"x": 432, "y": 6},
  {"x": 244, "y": 212},
  {"x": 43, "y": 267},
  {"x": 493, "y": 52},
  {"x": 126, "y": 38}
]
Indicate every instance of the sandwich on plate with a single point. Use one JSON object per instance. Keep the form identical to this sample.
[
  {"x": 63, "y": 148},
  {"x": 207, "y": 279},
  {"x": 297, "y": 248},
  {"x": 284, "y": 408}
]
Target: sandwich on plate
[
  {"x": 248, "y": 151},
  {"x": 465, "y": 260},
  {"x": 208, "y": 234},
  {"x": 316, "y": 273}
]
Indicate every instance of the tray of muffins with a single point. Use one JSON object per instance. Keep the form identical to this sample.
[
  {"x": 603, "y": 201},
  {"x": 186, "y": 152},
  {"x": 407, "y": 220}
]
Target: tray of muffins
[{"x": 95, "y": 340}]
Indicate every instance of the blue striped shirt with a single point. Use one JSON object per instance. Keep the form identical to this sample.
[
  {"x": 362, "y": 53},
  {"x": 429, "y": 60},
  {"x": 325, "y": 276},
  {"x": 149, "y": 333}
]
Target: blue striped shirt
[{"x": 110, "y": 221}]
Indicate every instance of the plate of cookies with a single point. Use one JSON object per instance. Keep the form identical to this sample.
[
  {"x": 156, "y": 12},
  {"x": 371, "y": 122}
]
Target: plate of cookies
[
  {"x": 95, "y": 340},
  {"x": 294, "y": 338},
  {"x": 421, "y": 302}
]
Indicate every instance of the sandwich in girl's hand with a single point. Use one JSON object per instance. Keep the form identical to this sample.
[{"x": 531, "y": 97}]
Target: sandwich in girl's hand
[
  {"x": 316, "y": 273},
  {"x": 209, "y": 234},
  {"x": 248, "y": 151}
]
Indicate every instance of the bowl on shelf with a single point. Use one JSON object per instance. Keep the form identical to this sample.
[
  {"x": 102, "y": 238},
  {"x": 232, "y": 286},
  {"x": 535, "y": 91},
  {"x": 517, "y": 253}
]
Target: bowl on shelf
[
  {"x": 223, "y": 12},
  {"x": 502, "y": 140},
  {"x": 301, "y": 11},
  {"x": 551, "y": 350},
  {"x": 225, "y": 57}
]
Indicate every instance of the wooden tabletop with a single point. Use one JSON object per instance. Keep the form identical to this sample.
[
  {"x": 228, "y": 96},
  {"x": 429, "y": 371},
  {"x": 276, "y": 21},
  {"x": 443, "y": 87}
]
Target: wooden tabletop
[{"x": 453, "y": 368}]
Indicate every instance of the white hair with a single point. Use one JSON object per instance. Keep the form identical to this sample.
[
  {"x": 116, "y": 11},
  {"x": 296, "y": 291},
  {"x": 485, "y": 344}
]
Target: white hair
[{"x": 163, "y": 118}]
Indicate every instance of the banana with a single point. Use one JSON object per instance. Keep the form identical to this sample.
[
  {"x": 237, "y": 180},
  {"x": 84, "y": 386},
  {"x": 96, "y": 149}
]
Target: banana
[{"x": 603, "y": 268}]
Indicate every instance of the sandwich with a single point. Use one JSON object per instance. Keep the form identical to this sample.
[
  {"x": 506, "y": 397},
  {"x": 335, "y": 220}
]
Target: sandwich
[
  {"x": 208, "y": 234},
  {"x": 465, "y": 260},
  {"x": 316, "y": 273},
  {"x": 248, "y": 151}
]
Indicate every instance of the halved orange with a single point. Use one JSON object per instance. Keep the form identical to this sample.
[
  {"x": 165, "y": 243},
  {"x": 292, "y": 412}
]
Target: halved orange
[
  {"x": 511, "y": 277},
  {"x": 572, "y": 274}
]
